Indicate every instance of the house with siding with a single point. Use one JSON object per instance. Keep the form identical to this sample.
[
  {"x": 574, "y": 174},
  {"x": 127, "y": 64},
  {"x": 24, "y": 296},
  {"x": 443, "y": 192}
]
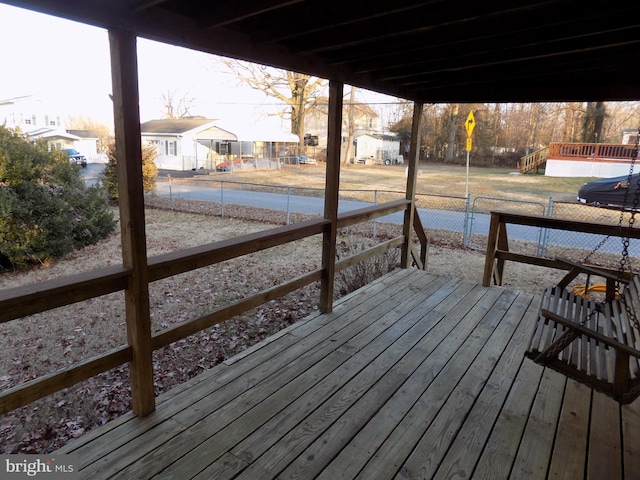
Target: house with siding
[
  {"x": 87, "y": 144},
  {"x": 29, "y": 113},
  {"x": 365, "y": 120},
  {"x": 36, "y": 119},
  {"x": 200, "y": 144},
  {"x": 187, "y": 143}
]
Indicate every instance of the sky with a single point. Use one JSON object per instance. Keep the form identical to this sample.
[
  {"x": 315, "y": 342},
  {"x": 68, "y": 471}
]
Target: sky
[{"x": 67, "y": 65}]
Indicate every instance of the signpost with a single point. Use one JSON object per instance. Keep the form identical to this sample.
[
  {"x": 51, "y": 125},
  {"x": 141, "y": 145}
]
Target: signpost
[{"x": 469, "y": 125}]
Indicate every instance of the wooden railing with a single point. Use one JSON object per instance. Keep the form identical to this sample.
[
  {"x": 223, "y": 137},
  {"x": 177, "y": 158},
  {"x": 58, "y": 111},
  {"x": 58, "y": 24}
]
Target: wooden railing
[
  {"x": 533, "y": 160},
  {"x": 498, "y": 243},
  {"x": 18, "y": 302},
  {"x": 574, "y": 151},
  {"x": 590, "y": 150}
]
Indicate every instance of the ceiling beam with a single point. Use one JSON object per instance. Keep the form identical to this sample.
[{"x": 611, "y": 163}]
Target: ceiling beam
[{"x": 221, "y": 14}]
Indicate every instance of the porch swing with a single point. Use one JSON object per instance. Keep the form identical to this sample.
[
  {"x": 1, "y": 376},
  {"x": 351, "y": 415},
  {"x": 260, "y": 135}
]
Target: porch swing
[{"x": 596, "y": 343}]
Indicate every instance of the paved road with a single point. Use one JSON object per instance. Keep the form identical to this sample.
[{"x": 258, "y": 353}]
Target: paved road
[{"x": 92, "y": 172}]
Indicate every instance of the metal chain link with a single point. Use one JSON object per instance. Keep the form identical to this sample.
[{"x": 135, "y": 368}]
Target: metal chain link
[
  {"x": 636, "y": 202},
  {"x": 625, "y": 260}
]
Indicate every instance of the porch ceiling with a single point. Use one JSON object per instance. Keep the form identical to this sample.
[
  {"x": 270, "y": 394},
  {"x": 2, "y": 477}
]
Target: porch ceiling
[{"x": 426, "y": 51}]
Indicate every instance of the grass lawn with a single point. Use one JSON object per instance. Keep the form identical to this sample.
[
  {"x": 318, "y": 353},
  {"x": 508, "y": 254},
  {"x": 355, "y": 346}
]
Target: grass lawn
[{"x": 435, "y": 179}]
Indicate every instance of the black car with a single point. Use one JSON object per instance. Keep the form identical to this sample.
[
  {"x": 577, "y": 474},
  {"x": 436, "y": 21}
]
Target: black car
[
  {"x": 610, "y": 192},
  {"x": 75, "y": 156}
]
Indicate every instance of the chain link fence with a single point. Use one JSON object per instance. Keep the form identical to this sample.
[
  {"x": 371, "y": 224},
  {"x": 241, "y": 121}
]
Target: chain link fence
[{"x": 449, "y": 220}]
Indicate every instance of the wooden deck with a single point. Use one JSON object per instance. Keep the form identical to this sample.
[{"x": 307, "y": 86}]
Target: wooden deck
[{"x": 415, "y": 376}]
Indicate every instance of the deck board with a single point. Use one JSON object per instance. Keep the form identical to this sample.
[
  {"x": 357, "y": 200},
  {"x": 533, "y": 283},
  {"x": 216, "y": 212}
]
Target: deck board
[
  {"x": 569, "y": 455},
  {"x": 413, "y": 376}
]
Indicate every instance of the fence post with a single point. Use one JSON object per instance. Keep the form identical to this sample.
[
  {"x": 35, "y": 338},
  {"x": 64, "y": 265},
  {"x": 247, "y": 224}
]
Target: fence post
[
  {"x": 375, "y": 202},
  {"x": 221, "y": 198},
  {"x": 170, "y": 194},
  {"x": 288, "y": 203},
  {"x": 465, "y": 233},
  {"x": 542, "y": 246}
]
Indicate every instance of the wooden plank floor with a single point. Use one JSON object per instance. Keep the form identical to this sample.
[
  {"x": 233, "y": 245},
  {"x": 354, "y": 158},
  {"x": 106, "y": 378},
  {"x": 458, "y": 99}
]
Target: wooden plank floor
[{"x": 415, "y": 376}]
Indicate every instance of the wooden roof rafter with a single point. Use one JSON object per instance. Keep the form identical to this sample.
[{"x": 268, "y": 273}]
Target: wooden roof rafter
[{"x": 419, "y": 50}]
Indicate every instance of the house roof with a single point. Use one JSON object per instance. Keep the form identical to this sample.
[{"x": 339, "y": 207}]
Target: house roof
[
  {"x": 216, "y": 133},
  {"x": 262, "y": 132},
  {"x": 175, "y": 126},
  {"x": 14, "y": 100},
  {"x": 86, "y": 134},
  {"x": 426, "y": 51},
  {"x": 49, "y": 133}
]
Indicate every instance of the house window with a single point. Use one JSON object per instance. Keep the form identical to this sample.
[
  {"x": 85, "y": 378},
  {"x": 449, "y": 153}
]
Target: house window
[{"x": 171, "y": 148}]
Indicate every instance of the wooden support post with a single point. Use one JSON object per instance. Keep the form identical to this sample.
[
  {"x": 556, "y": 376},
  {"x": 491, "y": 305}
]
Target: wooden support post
[
  {"x": 332, "y": 185},
  {"x": 492, "y": 245},
  {"x": 414, "y": 148},
  {"x": 124, "y": 73},
  {"x": 503, "y": 245}
]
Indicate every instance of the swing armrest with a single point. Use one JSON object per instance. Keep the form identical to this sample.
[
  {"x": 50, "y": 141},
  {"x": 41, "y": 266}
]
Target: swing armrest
[
  {"x": 577, "y": 268},
  {"x": 582, "y": 268},
  {"x": 610, "y": 342}
]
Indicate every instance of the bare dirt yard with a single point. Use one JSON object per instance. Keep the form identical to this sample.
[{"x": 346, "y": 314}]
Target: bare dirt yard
[{"x": 41, "y": 344}]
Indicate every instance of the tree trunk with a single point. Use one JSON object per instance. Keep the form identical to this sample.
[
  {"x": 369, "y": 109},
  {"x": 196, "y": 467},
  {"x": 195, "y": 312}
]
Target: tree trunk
[
  {"x": 593, "y": 120},
  {"x": 350, "y": 126},
  {"x": 451, "y": 135},
  {"x": 298, "y": 99}
]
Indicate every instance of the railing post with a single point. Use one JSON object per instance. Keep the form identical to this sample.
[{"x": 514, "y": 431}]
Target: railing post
[
  {"x": 124, "y": 76},
  {"x": 414, "y": 148},
  {"x": 332, "y": 184}
]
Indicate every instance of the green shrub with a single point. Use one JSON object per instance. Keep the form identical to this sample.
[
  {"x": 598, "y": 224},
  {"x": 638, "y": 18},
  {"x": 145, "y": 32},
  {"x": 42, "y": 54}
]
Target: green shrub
[
  {"x": 149, "y": 170},
  {"x": 46, "y": 210}
]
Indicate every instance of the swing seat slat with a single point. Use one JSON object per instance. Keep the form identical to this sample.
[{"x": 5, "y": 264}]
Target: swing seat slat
[{"x": 597, "y": 349}]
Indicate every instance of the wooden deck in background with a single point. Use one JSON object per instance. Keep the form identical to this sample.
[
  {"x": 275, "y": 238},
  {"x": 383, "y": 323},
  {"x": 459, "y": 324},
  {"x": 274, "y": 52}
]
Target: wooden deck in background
[{"x": 415, "y": 376}]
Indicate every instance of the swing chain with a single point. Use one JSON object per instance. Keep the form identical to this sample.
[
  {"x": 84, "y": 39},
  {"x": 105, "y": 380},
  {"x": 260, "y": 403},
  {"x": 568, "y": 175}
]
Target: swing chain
[
  {"x": 636, "y": 203},
  {"x": 625, "y": 261}
]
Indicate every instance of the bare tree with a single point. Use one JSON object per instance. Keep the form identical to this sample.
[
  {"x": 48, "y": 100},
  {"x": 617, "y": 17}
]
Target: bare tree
[
  {"x": 350, "y": 124},
  {"x": 573, "y": 113},
  {"x": 620, "y": 115},
  {"x": 176, "y": 107},
  {"x": 296, "y": 90},
  {"x": 452, "y": 132},
  {"x": 592, "y": 123}
]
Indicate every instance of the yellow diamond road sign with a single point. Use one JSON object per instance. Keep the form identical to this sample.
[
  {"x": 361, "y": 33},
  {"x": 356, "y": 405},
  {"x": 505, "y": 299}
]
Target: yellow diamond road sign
[{"x": 470, "y": 124}]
